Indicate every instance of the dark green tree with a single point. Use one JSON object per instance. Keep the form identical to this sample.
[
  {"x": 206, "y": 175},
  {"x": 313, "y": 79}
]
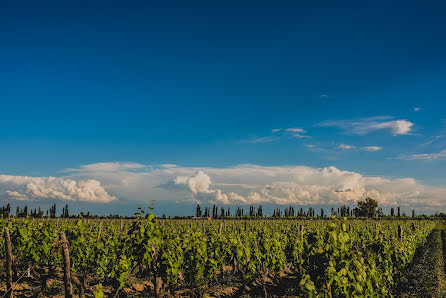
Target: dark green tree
[
  {"x": 198, "y": 212},
  {"x": 260, "y": 211},
  {"x": 368, "y": 208}
]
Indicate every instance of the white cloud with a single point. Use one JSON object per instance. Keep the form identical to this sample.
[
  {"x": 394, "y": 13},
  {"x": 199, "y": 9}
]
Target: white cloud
[
  {"x": 37, "y": 188},
  {"x": 416, "y": 109},
  {"x": 258, "y": 140},
  {"x": 168, "y": 165},
  {"x": 296, "y": 130},
  {"x": 293, "y": 132},
  {"x": 310, "y": 146},
  {"x": 199, "y": 183},
  {"x": 429, "y": 156},
  {"x": 251, "y": 184},
  {"x": 371, "y": 148},
  {"x": 346, "y": 147},
  {"x": 299, "y": 136},
  {"x": 107, "y": 167},
  {"x": 368, "y": 125}
]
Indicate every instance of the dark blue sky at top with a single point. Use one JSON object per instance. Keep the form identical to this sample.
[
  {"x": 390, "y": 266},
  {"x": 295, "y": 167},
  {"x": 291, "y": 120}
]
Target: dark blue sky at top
[{"x": 189, "y": 82}]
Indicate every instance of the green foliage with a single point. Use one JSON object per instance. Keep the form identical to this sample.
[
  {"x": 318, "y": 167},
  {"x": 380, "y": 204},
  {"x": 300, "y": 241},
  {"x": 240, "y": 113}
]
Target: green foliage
[
  {"x": 336, "y": 258},
  {"x": 368, "y": 208}
]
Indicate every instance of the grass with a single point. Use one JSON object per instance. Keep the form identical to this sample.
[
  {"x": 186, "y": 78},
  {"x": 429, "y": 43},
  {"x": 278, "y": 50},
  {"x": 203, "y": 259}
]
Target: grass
[{"x": 426, "y": 276}]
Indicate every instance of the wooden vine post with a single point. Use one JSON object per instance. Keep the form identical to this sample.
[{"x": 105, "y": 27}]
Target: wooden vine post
[
  {"x": 8, "y": 264},
  {"x": 400, "y": 233},
  {"x": 301, "y": 229},
  {"x": 100, "y": 230},
  {"x": 66, "y": 268}
]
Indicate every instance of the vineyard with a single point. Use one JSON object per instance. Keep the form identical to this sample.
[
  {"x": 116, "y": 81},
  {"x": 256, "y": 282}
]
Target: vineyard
[{"x": 145, "y": 256}]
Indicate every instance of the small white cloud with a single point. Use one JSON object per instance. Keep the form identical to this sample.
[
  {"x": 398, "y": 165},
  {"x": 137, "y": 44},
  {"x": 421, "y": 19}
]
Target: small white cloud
[
  {"x": 107, "y": 167},
  {"x": 346, "y": 147},
  {"x": 429, "y": 156},
  {"x": 288, "y": 132},
  {"x": 368, "y": 125},
  {"x": 371, "y": 148},
  {"x": 299, "y": 136},
  {"x": 259, "y": 140},
  {"x": 416, "y": 109},
  {"x": 296, "y": 130},
  {"x": 310, "y": 146}
]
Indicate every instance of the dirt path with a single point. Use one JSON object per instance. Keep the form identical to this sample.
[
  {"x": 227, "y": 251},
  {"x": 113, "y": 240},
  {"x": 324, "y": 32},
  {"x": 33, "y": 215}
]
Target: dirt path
[{"x": 426, "y": 277}]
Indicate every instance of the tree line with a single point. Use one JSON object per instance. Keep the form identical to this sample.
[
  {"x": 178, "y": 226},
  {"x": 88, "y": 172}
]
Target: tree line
[
  {"x": 5, "y": 211},
  {"x": 368, "y": 208}
]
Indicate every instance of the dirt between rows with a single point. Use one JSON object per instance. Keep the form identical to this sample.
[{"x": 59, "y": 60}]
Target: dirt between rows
[{"x": 275, "y": 286}]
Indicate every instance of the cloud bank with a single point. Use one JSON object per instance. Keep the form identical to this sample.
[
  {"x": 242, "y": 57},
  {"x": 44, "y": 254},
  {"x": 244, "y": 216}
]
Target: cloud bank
[
  {"x": 23, "y": 188},
  {"x": 239, "y": 185}
]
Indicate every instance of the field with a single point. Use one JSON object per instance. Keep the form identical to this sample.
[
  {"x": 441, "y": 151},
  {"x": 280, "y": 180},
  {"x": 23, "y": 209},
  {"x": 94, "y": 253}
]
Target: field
[{"x": 143, "y": 257}]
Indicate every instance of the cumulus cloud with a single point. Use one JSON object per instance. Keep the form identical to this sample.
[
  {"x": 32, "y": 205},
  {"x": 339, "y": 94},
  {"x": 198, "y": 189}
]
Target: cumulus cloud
[
  {"x": 252, "y": 184},
  {"x": 25, "y": 188},
  {"x": 371, "y": 148},
  {"x": 199, "y": 184},
  {"x": 238, "y": 185},
  {"x": 368, "y": 125}
]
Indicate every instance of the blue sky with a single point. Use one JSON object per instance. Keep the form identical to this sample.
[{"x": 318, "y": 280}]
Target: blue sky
[{"x": 359, "y": 86}]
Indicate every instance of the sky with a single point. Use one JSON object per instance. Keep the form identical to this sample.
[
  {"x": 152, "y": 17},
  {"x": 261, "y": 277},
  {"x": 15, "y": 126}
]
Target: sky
[{"x": 109, "y": 105}]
